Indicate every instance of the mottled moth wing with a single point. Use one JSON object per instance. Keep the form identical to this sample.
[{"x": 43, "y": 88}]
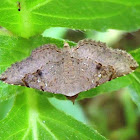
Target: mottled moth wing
[
  {"x": 47, "y": 78},
  {"x": 39, "y": 57},
  {"x": 122, "y": 62}
]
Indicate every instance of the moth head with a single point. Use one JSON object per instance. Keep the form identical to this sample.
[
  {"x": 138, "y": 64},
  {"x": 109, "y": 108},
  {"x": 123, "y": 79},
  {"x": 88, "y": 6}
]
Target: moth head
[{"x": 66, "y": 46}]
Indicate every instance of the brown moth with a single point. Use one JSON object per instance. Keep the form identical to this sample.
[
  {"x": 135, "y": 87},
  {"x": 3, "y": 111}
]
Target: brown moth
[{"x": 70, "y": 71}]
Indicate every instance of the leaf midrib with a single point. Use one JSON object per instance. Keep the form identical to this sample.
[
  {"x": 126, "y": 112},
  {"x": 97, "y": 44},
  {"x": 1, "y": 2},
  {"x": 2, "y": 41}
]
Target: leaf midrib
[
  {"x": 25, "y": 23},
  {"x": 33, "y": 113}
]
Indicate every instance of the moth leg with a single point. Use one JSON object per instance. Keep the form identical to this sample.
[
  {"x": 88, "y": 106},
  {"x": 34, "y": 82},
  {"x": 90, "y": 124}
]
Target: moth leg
[
  {"x": 113, "y": 75},
  {"x": 24, "y": 81},
  {"x": 3, "y": 79},
  {"x": 105, "y": 73},
  {"x": 41, "y": 87},
  {"x": 97, "y": 83}
]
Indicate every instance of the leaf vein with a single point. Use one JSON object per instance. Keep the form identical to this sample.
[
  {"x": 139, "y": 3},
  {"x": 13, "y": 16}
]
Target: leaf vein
[
  {"x": 47, "y": 129},
  {"x": 64, "y": 124},
  {"x": 16, "y": 133},
  {"x": 40, "y": 4}
]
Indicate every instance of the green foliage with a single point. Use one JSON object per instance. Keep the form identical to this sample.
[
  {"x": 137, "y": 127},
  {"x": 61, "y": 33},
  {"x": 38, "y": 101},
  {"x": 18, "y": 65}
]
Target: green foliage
[
  {"x": 135, "y": 80},
  {"x": 33, "y": 115},
  {"x": 37, "y": 15},
  {"x": 37, "y": 118},
  {"x": 135, "y": 88}
]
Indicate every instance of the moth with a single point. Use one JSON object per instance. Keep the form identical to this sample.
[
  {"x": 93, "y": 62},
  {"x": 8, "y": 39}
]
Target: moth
[{"x": 70, "y": 70}]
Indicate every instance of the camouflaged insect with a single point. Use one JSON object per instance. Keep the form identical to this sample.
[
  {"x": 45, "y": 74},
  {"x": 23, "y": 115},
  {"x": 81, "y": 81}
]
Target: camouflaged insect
[{"x": 70, "y": 71}]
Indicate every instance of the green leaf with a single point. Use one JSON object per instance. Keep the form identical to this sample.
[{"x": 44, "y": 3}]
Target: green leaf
[
  {"x": 35, "y": 16},
  {"x": 5, "y": 107},
  {"x": 33, "y": 117},
  {"x": 56, "y": 32},
  {"x": 136, "y": 55},
  {"x": 135, "y": 80},
  {"x": 135, "y": 88},
  {"x": 68, "y": 107}
]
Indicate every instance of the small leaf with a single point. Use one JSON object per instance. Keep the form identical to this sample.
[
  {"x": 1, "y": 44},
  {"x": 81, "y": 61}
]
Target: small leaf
[
  {"x": 136, "y": 55},
  {"x": 35, "y": 16},
  {"x": 33, "y": 117},
  {"x": 135, "y": 78},
  {"x": 135, "y": 88}
]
